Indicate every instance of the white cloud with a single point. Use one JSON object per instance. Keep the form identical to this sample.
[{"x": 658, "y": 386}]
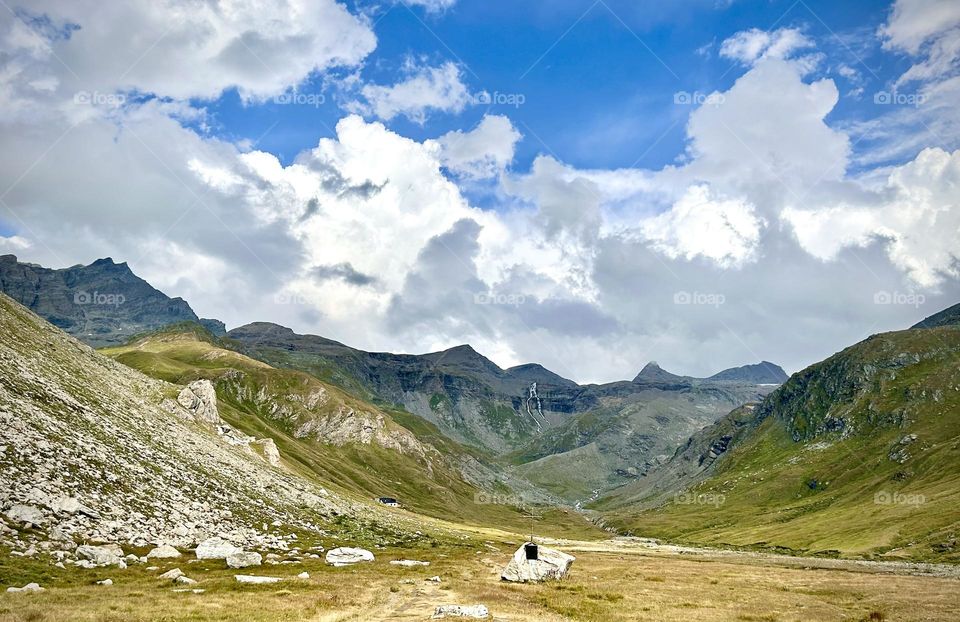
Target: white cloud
[
  {"x": 700, "y": 225},
  {"x": 749, "y": 46},
  {"x": 928, "y": 30},
  {"x": 183, "y": 50},
  {"x": 484, "y": 151},
  {"x": 916, "y": 216},
  {"x": 431, "y": 5},
  {"x": 425, "y": 89}
]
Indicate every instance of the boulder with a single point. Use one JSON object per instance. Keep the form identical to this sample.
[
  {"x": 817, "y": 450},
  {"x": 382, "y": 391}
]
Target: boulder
[
  {"x": 200, "y": 399},
  {"x": 105, "y": 555},
  {"x": 25, "y": 515},
  {"x": 171, "y": 575},
  {"x": 216, "y": 548},
  {"x": 105, "y": 582},
  {"x": 29, "y": 587},
  {"x": 244, "y": 578},
  {"x": 345, "y": 555},
  {"x": 303, "y": 575},
  {"x": 533, "y": 563},
  {"x": 270, "y": 452},
  {"x": 185, "y": 580},
  {"x": 164, "y": 551},
  {"x": 461, "y": 611},
  {"x": 408, "y": 563},
  {"x": 244, "y": 560}
]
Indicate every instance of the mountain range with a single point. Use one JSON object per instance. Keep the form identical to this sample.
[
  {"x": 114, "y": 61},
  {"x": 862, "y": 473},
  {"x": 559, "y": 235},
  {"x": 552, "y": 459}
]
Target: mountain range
[{"x": 855, "y": 456}]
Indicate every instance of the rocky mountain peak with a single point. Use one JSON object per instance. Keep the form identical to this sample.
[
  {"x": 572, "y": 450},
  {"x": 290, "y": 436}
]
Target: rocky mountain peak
[{"x": 652, "y": 372}]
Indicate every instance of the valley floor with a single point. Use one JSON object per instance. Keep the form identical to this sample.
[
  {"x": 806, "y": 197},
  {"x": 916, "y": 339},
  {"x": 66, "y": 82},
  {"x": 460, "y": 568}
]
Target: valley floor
[{"x": 619, "y": 579}]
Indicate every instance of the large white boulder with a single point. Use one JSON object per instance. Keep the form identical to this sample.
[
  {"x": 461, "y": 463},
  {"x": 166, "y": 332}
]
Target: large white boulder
[
  {"x": 164, "y": 551},
  {"x": 533, "y": 563},
  {"x": 345, "y": 555},
  {"x": 200, "y": 399},
  {"x": 244, "y": 560},
  {"x": 106, "y": 555},
  {"x": 216, "y": 548}
]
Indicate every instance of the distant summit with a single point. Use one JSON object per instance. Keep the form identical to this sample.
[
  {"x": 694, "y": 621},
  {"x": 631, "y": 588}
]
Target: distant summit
[
  {"x": 763, "y": 372},
  {"x": 652, "y": 372},
  {"x": 101, "y": 304}
]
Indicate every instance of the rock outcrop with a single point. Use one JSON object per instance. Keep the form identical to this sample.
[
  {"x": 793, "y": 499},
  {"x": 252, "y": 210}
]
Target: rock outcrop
[{"x": 533, "y": 563}]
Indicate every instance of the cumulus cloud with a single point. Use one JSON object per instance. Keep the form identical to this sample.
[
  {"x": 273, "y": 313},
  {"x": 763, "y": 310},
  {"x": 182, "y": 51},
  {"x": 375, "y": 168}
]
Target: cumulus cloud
[
  {"x": 482, "y": 152},
  {"x": 182, "y": 50},
  {"x": 424, "y": 90},
  {"x": 700, "y": 225}
]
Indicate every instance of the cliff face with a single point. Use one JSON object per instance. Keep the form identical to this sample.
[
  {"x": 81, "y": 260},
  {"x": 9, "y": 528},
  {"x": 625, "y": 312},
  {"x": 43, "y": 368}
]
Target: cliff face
[{"x": 101, "y": 304}]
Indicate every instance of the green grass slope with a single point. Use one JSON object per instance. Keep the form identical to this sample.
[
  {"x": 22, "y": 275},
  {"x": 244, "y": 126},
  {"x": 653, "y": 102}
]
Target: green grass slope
[
  {"x": 343, "y": 442},
  {"x": 858, "y": 455}
]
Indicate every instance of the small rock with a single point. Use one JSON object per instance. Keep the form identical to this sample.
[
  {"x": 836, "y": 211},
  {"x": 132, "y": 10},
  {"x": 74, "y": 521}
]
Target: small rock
[
  {"x": 184, "y": 580},
  {"x": 303, "y": 575},
  {"x": 461, "y": 611},
  {"x": 433, "y": 580},
  {"x": 408, "y": 562},
  {"x": 105, "y": 582},
  {"x": 244, "y": 578},
  {"x": 244, "y": 560},
  {"x": 171, "y": 575}
]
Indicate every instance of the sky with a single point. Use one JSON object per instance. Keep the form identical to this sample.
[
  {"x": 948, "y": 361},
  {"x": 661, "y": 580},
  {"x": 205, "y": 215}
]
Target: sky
[{"x": 589, "y": 185}]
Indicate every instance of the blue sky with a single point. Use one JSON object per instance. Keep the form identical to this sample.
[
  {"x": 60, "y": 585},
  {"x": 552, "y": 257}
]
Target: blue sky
[{"x": 595, "y": 80}]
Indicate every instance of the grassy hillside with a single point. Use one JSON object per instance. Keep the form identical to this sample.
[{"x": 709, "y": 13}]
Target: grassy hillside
[
  {"x": 340, "y": 441},
  {"x": 858, "y": 455}
]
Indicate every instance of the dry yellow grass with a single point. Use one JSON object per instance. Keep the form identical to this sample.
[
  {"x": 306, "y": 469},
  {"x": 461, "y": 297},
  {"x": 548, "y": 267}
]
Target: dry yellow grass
[{"x": 606, "y": 584}]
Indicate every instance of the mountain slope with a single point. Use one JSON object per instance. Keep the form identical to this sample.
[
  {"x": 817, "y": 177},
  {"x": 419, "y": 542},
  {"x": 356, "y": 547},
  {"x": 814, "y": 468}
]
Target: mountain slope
[
  {"x": 571, "y": 440},
  {"x": 100, "y": 304},
  {"x": 325, "y": 433},
  {"x": 858, "y": 454},
  {"x": 948, "y": 317},
  {"x": 102, "y": 452}
]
